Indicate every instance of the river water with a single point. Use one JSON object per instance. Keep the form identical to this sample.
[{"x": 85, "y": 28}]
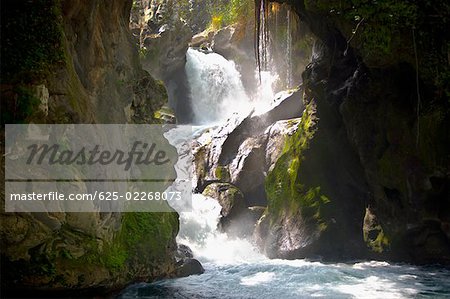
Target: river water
[{"x": 233, "y": 267}]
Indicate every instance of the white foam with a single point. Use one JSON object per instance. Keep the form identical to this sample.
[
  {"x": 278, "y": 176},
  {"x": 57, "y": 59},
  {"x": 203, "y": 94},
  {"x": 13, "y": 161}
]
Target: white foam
[
  {"x": 198, "y": 231},
  {"x": 216, "y": 87},
  {"x": 258, "y": 278},
  {"x": 375, "y": 287}
]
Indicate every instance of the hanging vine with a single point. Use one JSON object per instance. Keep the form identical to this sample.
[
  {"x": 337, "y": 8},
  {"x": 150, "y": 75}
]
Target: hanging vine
[{"x": 261, "y": 33}]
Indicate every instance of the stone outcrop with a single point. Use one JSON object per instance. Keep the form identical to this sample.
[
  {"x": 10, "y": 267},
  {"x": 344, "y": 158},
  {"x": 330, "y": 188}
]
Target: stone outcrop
[
  {"x": 76, "y": 62},
  {"x": 186, "y": 264},
  {"x": 366, "y": 175},
  {"x": 163, "y": 35},
  {"x": 231, "y": 162}
]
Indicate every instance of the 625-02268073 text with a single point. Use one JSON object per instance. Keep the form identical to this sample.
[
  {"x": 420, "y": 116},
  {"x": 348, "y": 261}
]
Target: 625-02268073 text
[{"x": 103, "y": 196}]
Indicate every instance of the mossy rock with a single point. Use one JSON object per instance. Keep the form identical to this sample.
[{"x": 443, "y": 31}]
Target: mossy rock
[
  {"x": 373, "y": 232},
  {"x": 142, "y": 249},
  {"x": 222, "y": 173},
  {"x": 286, "y": 191}
]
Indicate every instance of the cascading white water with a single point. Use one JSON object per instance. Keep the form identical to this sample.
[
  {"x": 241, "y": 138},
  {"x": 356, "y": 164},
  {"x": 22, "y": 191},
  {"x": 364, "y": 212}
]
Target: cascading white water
[
  {"x": 288, "y": 49},
  {"x": 198, "y": 231},
  {"x": 217, "y": 91},
  {"x": 216, "y": 87},
  {"x": 233, "y": 269}
]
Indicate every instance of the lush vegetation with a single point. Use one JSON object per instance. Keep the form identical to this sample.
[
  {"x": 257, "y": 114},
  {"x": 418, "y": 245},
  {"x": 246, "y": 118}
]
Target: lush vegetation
[
  {"x": 390, "y": 31},
  {"x": 230, "y": 12},
  {"x": 31, "y": 39}
]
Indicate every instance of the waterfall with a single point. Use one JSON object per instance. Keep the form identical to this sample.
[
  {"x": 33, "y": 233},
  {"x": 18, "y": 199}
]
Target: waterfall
[
  {"x": 198, "y": 231},
  {"x": 216, "y": 87},
  {"x": 288, "y": 49}
]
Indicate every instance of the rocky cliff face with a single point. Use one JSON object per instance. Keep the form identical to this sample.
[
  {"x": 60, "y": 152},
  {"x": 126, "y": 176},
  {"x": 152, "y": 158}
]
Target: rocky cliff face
[
  {"x": 365, "y": 171},
  {"x": 367, "y": 175},
  {"x": 162, "y": 34},
  {"x": 76, "y": 62}
]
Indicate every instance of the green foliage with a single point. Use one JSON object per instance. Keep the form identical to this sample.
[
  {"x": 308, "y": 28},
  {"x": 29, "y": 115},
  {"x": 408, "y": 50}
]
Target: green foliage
[
  {"x": 380, "y": 20},
  {"x": 31, "y": 39},
  {"x": 386, "y": 29},
  {"x": 230, "y": 12}
]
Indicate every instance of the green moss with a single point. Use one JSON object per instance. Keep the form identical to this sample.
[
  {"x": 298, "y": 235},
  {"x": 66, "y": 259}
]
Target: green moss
[
  {"x": 148, "y": 232},
  {"x": 31, "y": 39},
  {"x": 222, "y": 173},
  {"x": 285, "y": 187},
  {"x": 385, "y": 33},
  {"x": 382, "y": 20},
  {"x": 143, "y": 238},
  {"x": 114, "y": 257},
  {"x": 378, "y": 244}
]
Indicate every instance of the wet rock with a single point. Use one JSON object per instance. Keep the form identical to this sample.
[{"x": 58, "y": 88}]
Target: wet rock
[
  {"x": 235, "y": 42},
  {"x": 41, "y": 93},
  {"x": 202, "y": 39},
  {"x": 165, "y": 52},
  {"x": 276, "y": 139},
  {"x": 247, "y": 170},
  {"x": 184, "y": 252},
  {"x": 190, "y": 267},
  {"x": 162, "y": 36},
  {"x": 304, "y": 219},
  {"x": 237, "y": 157},
  {"x": 95, "y": 77},
  {"x": 221, "y": 150},
  {"x": 229, "y": 197}
]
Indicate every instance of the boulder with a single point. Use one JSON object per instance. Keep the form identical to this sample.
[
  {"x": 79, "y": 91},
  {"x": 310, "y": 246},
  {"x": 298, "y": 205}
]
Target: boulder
[
  {"x": 232, "y": 161},
  {"x": 183, "y": 252},
  {"x": 190, "y": 267},
  {"x": 164, "y": 53},
  {"x": 202, "y": 39},
  {"x": 221, "y": 153},
  {"x": 232, "y": 201}
]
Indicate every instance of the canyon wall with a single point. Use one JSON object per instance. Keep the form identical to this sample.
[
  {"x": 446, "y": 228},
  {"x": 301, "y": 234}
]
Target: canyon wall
[
  {"x": 76, "y": 62},
  {"x": 367, "y": 174}
]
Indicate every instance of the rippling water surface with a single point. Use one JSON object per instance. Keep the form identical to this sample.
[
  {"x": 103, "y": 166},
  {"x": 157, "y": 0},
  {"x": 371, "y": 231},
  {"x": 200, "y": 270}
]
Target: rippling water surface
[
  {"x": 233, "y": 269},
  {"x": 302, "y": 279}
]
